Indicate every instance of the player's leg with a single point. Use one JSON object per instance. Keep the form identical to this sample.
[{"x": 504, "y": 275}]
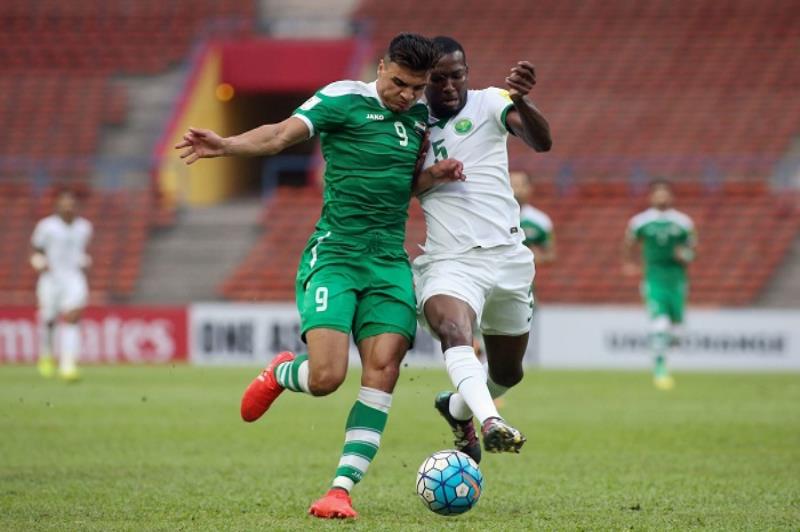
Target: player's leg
[
  {"x": 47, "y": 315},
  {"x": 384, "y": 327},
  {"x": 75, "y": 294},
  {"x": 326, "y": 303},
  {"x": 657, "y": 302},
  {"x": 505, "y": 325}
]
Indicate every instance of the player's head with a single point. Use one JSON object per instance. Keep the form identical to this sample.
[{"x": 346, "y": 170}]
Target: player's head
[
  {"x": 522, "y": 185},
  {"x": 447, "y": 90},
  {"x": 403, "y": 71},
  {"x": 661, "y": 196},
  {"x": 66, "y": 205}
]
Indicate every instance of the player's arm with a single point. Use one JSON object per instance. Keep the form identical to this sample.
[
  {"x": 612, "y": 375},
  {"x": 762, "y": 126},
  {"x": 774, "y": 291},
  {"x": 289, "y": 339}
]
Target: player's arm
[
  {"x": 630, "y": 265},
  {"x": 445, "y": 171},
  {"x": 38, "y": 258},
  {"x": 687, "y": 252},
  {"x": 86, "y": 259},
  {"x": 525, "y": 120},
  {"x": 269, "y": 139},
  {"x": 546, "y": 251}
]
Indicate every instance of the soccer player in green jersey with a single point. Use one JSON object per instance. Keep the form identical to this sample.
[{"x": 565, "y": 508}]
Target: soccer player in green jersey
[
  {"x": 668, "y": 241},
  {"x": 536, "y": 225},
  {"x": 354, "y": 275}
]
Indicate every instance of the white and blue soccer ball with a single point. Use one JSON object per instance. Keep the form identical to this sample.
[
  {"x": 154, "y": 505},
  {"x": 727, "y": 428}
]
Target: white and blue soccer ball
[{"x": 449, "y": 482}]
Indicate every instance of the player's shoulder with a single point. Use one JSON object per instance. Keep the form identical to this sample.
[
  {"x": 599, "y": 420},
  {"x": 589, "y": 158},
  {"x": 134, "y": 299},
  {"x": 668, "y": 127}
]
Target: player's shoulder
[
  {"x": 643, "y": 218},
  {"x": 349, "y": 87},
  {"x": 495, "y": 93},
  {"x": 83, "y": 223},
  {"x": 48, "y": 221},
  {"x": 680, "y": 218},
  {"x": 540, "y": 218}
]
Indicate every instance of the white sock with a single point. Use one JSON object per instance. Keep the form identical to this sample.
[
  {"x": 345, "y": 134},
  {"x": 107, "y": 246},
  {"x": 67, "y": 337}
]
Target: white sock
[
  {"x": 70, "y": 345},
  {"x": 45, "y": 339},
  {"x": 302, "y": 377},
  {"x": 459, "y": 408},
  {"x": 469, "y": 378}
]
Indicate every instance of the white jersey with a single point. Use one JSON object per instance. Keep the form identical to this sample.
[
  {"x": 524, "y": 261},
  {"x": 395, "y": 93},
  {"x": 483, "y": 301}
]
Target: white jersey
[
  {"x": 481, "y": 211},
  {"x": 63, "y": 244}
]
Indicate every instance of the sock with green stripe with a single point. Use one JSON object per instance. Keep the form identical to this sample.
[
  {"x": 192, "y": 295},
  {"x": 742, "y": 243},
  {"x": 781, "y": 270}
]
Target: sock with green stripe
[
  {"x": 294, "y": 375},
  {"x": 362, "y": 438}
]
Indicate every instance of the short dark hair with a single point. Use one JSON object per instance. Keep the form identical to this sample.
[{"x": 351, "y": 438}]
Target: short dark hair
[
  {"x": 447, "y": 45},
  {"x": 660, "y": 182},
  {"x": 412, "y": 51}
]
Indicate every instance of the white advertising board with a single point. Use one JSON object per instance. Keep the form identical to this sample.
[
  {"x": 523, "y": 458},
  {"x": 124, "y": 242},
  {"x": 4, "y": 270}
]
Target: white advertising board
[
  {"x": 612, "y": 337},
  {"x": 617, "y": 337},
  {"x": 235, "y": 333}
]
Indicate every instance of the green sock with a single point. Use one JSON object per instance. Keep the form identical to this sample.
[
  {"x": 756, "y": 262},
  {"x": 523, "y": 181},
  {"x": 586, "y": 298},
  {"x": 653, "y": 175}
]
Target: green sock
[
  {"x": 363, "y": 431},
  {"x": 294, "y": 375}
]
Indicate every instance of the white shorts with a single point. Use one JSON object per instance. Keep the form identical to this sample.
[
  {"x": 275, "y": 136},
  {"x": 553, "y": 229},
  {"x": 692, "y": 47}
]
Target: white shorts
[
  {"x": 61, "y": 293},
  {"x": 495, "y": 282}
]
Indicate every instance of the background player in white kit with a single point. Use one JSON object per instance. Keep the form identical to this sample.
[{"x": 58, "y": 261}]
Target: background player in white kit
[
  {"x": 475, "y": 269},
  {"x": 59, "y": 255}
]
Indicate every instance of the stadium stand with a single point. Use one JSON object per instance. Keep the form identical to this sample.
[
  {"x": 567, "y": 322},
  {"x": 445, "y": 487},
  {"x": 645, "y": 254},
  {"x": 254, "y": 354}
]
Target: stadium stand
[
  {"x": 690, "y": 89},
  {"x": 56, "y": 63},
  {"x": 121, "y": 222},
  {"x": 701, "y": 92},
  {"x": 744, "y": 234}
]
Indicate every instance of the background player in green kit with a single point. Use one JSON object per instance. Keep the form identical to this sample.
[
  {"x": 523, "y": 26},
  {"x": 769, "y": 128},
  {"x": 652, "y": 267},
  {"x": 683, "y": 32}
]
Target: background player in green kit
[
  {"x": 536, "y": 225},
  {"x": 668, "y": 241},
  {"x": 354, "y": 275}
]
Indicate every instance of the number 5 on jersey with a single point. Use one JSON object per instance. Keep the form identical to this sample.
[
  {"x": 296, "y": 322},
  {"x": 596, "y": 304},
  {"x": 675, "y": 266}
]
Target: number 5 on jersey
[{"x": 439, "y": 151}]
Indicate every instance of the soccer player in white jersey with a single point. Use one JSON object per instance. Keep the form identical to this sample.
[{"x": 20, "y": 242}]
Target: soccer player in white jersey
[
  {"x": 59, "y": 255},
  {"x": 475, "y": 270},
  {"x": 535, "y": 224}
]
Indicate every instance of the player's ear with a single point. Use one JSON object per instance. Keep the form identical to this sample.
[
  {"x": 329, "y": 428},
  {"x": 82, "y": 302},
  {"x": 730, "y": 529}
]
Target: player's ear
[{"x": 381, "y": 67}]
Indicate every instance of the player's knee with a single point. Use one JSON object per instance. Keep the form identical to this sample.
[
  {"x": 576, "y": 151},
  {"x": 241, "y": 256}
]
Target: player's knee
[
  {"x": 452, "y": 333},
  {"x": 381, "y": 376},
  {"x": 324, "y": 382},
  {"x": 509, "y": 376}
]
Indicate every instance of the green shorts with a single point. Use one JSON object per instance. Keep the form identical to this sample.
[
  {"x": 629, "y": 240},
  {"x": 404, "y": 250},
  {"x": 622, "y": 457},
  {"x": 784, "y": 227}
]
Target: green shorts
[
  {"x": 665, "y": 298},
  {"x": 355, "y": 287}
]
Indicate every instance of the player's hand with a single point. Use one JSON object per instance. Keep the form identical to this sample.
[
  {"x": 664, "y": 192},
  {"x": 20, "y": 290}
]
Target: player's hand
[
  {"x": 521, "y": 79},
  {"x": 447, "y": 170},
  {"x": 631, "y": 269},
  {"x": 200, "y": 144}
]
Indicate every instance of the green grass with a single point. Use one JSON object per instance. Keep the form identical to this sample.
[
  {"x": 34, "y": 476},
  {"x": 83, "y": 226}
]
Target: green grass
[{"x": 162, "y": 448}]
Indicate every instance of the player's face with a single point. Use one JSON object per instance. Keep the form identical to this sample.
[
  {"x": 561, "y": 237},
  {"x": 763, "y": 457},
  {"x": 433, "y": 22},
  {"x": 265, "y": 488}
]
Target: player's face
[
  {"x": 521, "y": 186},
  {"x": 66, "y": 207},
  {"x": 398, "y": 87},
  {"x": 661, "y": 197},
  {"x": 447, "y": 89}
]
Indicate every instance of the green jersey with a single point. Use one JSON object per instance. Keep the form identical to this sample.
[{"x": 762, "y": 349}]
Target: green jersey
[
  {"x": 536, "y": 225},
  {"x": 370, "y": 153},
  {"x": 661, "y": 233}
]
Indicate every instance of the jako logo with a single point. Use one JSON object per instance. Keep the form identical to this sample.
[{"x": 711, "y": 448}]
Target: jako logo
[{"x": 373, "y": 116}]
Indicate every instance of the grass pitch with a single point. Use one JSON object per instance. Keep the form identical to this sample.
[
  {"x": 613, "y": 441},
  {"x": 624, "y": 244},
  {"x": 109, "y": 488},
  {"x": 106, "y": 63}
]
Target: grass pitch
[{"x": 162, "y": 448}]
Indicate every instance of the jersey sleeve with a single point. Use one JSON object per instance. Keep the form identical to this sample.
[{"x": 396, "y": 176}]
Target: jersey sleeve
[
  {"x": 322, "y": 112},
  {"x": 499, "y": 104},
  {"x": 39, "y": 236},
  {"x": 632, "y": 232}
]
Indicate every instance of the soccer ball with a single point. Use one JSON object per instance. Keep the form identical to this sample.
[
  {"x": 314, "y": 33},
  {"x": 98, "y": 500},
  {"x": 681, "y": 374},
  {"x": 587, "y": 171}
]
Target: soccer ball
[{"x": 449, "y": 482}]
